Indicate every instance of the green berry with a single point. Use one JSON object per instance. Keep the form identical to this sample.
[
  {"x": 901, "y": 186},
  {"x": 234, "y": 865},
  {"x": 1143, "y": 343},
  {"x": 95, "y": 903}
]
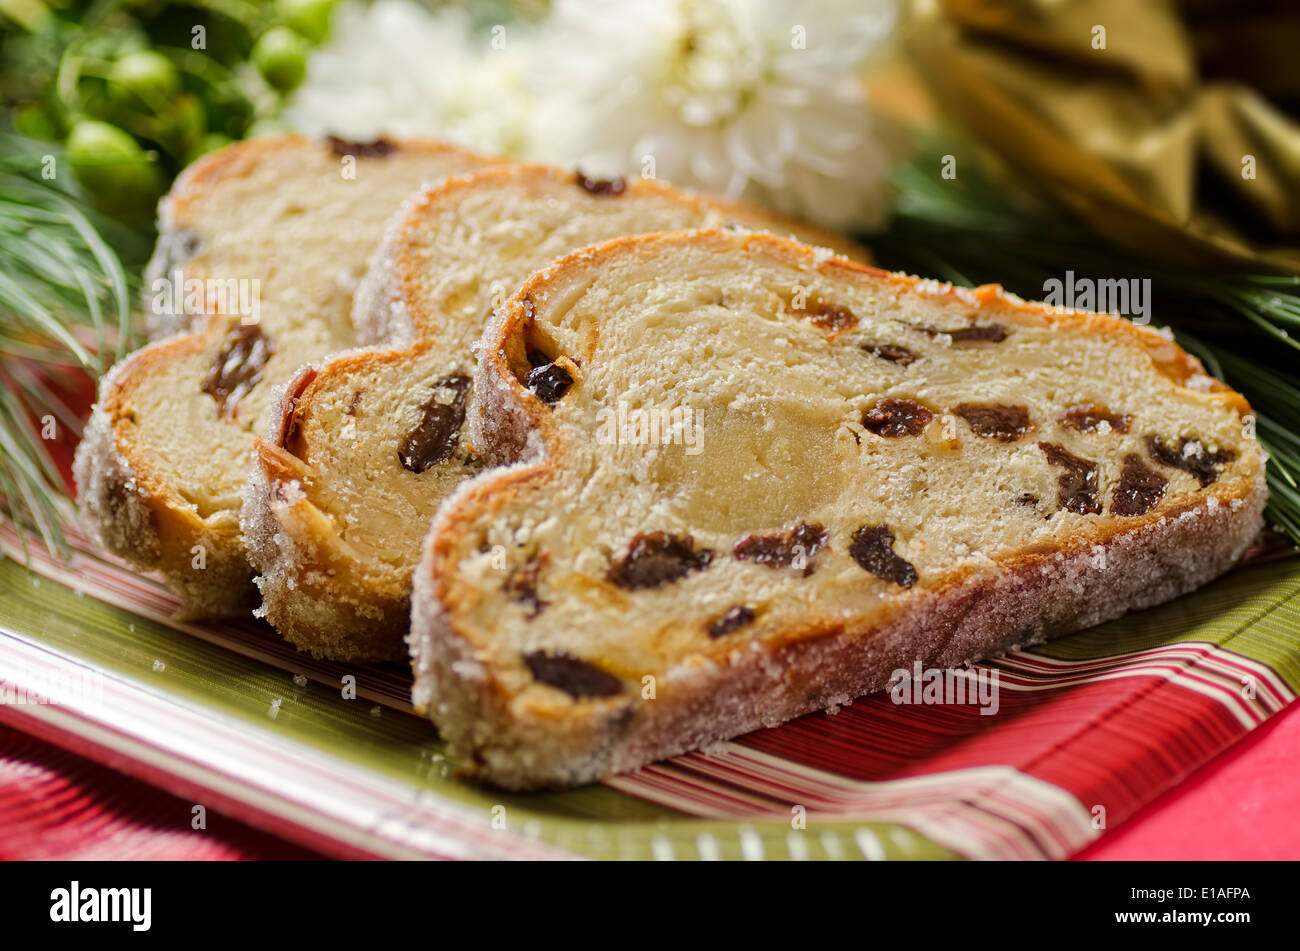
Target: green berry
[
  {"x": 311, "y": 18},
  {"x": 280, "y": 55},
  {"x": 146, "y": 74},
  {"x": 99, "y": 147},
  {"x": 112, "y": 167}
]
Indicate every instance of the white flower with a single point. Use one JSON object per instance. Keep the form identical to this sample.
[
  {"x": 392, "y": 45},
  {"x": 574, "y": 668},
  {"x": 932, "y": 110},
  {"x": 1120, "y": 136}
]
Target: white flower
[
  {"x": 759, "y": 99},
  {"x": 395, "y": 68}
]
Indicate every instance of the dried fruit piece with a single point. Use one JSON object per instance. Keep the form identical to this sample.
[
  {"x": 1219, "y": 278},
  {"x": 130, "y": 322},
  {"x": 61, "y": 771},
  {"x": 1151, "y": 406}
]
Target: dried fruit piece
[
  {"x": 376, "y": 149},
  {"x": 656, "y": 558},
  {"x": 1078, "y": 483},
  {"x": 521, "y": 586},
  {"x": 578, "y": 678},
  {"x": 1140, "y": 488},
  {"x": 892, "y": 352},
  {"x": 435, "y": 437},
  {"x": 1191, "y": 456},
  {"x": 780, "y": 551},
  {"x": 733, "y": 620},
  {"x": 872, "y": 547},
  {"x": 238, "y": 366},
  {"x": 550, "y": 381},
  {"x": 995, "y": 421},
  {"x": 895, "y": 417},
  {"x": 976, "y": 333},
  {"x": 833, "y": 316},
  {"x": 187, "y": 242},
  {"x": 1092, "y": 418},
  {"x": 291, "y": 431},
  {"x": 601, "y": 186}
]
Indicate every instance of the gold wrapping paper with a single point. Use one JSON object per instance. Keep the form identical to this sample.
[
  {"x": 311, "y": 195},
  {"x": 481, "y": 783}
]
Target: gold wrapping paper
[{"x": 1167, "y": 126}]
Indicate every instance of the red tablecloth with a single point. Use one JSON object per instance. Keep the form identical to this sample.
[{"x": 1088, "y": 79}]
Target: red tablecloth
[
  {"x": 54, "y": 805},
  {"x": 1242, "y": 805}
]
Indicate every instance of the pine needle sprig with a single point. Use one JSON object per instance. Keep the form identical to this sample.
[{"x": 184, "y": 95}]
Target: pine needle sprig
[
  {"x": 1244, "y": 327},
  {"x": 66, "y": 296}
]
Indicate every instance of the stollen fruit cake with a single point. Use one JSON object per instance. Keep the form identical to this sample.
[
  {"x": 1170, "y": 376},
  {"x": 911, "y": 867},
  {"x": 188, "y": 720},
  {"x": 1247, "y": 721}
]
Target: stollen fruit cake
[
  {"x": 359, "y": 450},
  {"x": 743, "y": 480},
  {"x": 261, "y": 247}
]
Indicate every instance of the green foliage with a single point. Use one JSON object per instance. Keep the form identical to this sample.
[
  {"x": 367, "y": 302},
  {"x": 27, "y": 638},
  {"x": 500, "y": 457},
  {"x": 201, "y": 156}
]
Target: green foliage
[
  {"x": 65, "y": 310},
  {"x": 175, "y": 77}
]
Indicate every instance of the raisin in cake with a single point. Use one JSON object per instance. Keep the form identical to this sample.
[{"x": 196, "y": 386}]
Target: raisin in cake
[
  {"x": 271, "y": 236},
  {"x": 888, "y": 470},
  {"x": 360, "y": 450}
]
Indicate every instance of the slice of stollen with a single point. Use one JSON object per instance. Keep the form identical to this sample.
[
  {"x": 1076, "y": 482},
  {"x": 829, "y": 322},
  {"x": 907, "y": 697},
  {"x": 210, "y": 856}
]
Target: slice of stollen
[
  {"x": 751, "y": 481},
  {"x": 360, "y": 450},
  {"x": 260, "y": 251}
]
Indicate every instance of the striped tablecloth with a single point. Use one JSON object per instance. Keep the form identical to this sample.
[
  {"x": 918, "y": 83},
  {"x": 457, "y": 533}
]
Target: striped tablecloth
[{"x": 56, "y": 805}]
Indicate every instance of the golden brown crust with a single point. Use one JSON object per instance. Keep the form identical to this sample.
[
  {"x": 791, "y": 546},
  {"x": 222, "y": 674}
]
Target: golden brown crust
[
  {"x": 316, "y": 616},
  {"x": 543, "y": 739},
  {"x": 133, "y": 510},
  {"x": 238, "y": 159},
  {"x": 230, "y": 162}
]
